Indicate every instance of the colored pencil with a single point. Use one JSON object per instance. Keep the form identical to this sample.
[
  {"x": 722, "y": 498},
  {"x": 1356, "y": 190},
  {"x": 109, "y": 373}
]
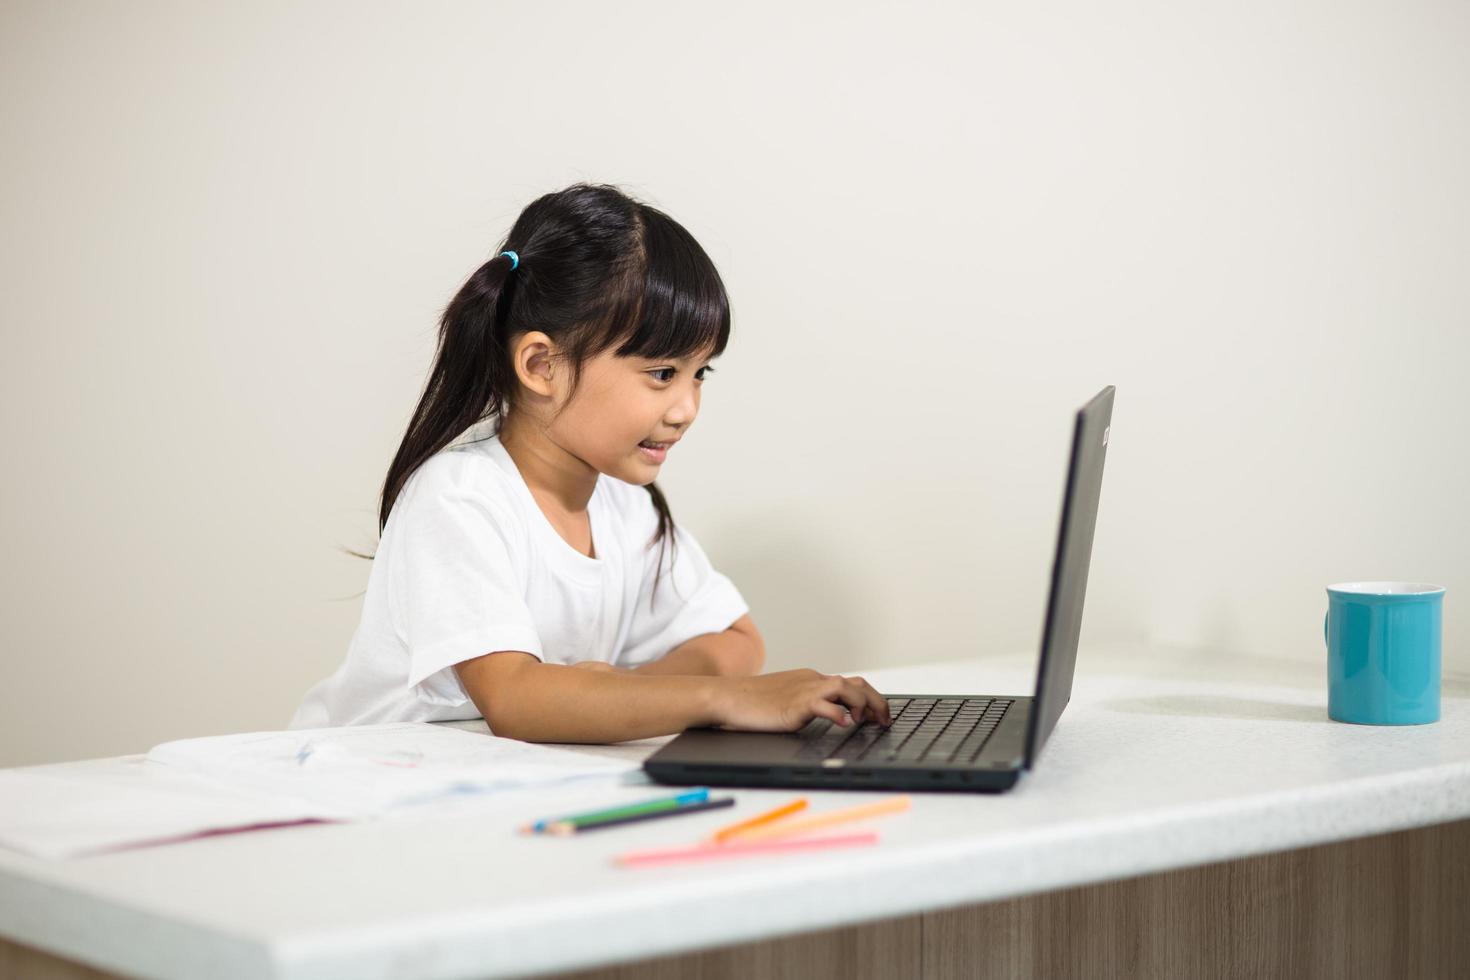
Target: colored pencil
[
  {"x": 657, "y": 806},
  {"x": 818, "y": 821},
  {"x": 724, "y": 833},
  {"x": 562, "y": 828},
  {"x": 688, "y": 796},
  {"x": 739, "y": 848}
]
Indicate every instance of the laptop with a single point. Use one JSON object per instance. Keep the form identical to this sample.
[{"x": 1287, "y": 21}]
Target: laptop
[{"x": 937, "y": 742}]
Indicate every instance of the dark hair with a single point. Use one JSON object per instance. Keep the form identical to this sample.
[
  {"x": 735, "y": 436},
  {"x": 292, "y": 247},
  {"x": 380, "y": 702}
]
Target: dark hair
[{"x": 596, "y": 270}]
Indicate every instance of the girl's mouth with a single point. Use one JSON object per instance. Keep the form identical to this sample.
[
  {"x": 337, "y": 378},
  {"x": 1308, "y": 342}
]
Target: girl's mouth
[{"x": 651, "y": 454}]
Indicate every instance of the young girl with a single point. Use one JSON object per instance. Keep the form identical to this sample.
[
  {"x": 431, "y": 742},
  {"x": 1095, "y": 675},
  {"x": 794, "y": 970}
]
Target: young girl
[{"x": 515, "y": 577}]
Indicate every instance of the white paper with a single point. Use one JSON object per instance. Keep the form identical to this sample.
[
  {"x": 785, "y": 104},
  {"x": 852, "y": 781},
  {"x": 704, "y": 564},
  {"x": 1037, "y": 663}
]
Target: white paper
[
  {"x": 77, "y": 808},
  {"x": 362, "y": 771},
  {"x": 185, "y": 788}
]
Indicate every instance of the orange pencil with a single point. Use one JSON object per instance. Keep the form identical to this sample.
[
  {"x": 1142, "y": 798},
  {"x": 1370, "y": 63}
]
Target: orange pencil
[
  {"x": 726, "y": 832},
  {"x": 816, "y": 821}
]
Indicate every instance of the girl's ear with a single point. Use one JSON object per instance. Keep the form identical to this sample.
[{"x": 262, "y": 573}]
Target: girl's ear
[{"x": 533, "y": 362}]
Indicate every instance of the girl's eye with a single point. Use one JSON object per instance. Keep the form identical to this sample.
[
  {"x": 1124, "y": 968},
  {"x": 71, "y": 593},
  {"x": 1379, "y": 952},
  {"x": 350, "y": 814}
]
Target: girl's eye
[{"x": 697, "y": 374}]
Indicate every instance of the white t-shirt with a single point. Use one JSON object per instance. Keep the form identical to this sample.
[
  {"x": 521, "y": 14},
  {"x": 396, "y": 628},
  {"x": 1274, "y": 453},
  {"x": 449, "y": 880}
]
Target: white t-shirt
[{"x": 468, "y": 564}]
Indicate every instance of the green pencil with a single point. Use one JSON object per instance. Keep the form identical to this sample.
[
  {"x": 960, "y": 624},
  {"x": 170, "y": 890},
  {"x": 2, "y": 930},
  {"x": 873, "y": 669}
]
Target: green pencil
[
  {"x": 563, "y": 828},
  {"x": 696, "y": 794}
]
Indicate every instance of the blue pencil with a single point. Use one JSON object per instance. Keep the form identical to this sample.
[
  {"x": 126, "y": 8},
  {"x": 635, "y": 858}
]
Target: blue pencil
[{"x": 698, "y": 794}]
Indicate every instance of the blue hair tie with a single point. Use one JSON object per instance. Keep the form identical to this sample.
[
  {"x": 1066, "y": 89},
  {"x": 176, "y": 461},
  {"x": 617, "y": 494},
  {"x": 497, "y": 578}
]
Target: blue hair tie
[{"x": 515, "y": 260}]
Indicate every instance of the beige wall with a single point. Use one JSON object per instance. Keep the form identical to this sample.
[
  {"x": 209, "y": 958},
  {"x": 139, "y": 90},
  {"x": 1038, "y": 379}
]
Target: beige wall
[{"x": 228, "y": 233}]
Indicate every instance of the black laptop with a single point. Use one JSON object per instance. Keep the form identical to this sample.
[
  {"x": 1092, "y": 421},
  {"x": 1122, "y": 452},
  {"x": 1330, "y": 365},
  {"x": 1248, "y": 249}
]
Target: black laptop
[{"x": 953, "y": 742}]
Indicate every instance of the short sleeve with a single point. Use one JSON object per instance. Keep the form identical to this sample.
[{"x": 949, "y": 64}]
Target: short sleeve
[
  {"x": 454, "y": 592},
  {"x": 692, "y": 599}
]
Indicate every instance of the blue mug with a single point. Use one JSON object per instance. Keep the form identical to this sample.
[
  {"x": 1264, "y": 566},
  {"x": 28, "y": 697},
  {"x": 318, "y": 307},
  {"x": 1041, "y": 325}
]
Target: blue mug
[{"x": 1383, "y": 652}]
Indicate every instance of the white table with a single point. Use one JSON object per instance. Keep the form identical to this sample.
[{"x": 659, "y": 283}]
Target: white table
[{"x": 1165, "y": 759}]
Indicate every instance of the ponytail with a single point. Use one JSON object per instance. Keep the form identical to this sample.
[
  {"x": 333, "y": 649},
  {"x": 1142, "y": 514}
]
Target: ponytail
[{"x": 469, "y": 380}]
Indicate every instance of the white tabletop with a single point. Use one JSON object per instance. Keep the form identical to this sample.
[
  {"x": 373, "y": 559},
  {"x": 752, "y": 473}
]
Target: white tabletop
[{"x": 1165, "y": 758}]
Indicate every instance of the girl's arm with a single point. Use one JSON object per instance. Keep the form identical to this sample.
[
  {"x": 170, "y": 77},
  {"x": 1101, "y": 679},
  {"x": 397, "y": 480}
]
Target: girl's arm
[
  {"x": 522, "y": 698},
  {"x": 736, "y": 652}
]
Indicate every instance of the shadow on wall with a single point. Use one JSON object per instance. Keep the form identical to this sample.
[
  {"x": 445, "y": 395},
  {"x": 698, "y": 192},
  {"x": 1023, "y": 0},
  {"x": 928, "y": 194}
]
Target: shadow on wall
[{"x": 808, "y": 606}]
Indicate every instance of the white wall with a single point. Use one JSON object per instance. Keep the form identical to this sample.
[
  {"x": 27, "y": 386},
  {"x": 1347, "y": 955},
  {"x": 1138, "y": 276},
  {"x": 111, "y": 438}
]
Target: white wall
[{"x": 228, "y": 233}]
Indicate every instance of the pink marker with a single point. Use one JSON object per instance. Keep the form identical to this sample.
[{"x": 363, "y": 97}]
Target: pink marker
[{"x": 736, "y": 848}]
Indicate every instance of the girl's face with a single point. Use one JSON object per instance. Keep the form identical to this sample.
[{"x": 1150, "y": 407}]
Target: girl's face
[{"x": 620, "y": 402}]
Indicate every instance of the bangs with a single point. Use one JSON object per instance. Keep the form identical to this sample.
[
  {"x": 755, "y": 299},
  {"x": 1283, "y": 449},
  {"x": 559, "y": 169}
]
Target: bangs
[{"x": 673, "y": 304}]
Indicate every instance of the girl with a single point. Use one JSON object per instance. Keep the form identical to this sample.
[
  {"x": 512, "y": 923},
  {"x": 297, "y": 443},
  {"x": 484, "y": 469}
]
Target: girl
[{"x": 515, "y": 577}]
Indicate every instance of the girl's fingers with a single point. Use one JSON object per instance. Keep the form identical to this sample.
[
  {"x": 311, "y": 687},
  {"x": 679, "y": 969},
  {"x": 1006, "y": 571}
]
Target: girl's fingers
[
  {"x": 865, "y": 701},
  {"x": 848, "y": 694},
  {"x": 826, "y": 709},
  {"x": 878, "y": 703}
]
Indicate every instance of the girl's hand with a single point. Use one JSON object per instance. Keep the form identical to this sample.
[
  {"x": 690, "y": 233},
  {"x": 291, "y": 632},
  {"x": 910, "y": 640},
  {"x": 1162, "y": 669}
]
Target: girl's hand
[
  {"x": 785, "y": 701},
  {"x": 594, "y": 665}
]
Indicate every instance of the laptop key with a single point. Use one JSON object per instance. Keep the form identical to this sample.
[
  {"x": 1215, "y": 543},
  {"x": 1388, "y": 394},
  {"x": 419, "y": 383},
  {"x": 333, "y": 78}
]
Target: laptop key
[
  {"x": 884, "y": 747},
  {"x": 976, "y": 740},
  {"x": 822, "y": 746},
  {"x": 943, "y": 748},
  {"x": 914, "y": 748},
  {"x": 858, "y": 744},
  {"x": 970, "y": 748}
]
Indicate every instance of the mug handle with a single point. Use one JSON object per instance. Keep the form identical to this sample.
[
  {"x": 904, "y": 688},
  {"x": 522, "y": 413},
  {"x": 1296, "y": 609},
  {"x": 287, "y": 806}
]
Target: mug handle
[{"x": 1325, "y": 617}]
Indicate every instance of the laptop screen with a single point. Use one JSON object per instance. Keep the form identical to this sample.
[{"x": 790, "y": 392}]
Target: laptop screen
[{"x": 1063, "y": 621}]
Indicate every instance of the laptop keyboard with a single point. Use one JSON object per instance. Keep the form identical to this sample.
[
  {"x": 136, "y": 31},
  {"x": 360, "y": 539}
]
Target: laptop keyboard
[{"x": 950, "y": 730}]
